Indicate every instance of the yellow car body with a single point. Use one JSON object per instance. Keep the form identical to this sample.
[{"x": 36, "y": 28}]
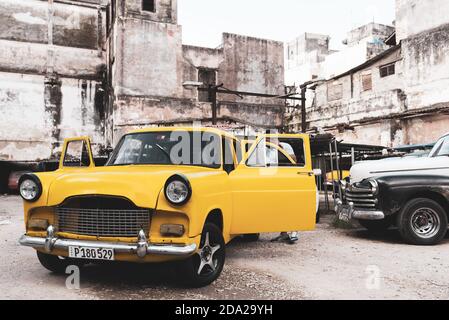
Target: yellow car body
[{"x": 247, "y": 200}]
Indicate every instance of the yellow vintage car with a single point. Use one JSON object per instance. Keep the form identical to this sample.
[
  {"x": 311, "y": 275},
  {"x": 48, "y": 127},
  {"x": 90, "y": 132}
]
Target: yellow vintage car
[{"x": 167, "y": 194}]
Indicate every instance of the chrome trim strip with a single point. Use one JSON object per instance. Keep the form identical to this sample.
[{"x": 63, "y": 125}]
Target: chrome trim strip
[
  {"x": 409, "y": 170},
  {"x": 368, "y": 215},
  {"x": 357, "y": 200},
  {"x": 360, "y": 214},
  {"x": 359, "y": 195},
  {"x": 64, "y": 244}
]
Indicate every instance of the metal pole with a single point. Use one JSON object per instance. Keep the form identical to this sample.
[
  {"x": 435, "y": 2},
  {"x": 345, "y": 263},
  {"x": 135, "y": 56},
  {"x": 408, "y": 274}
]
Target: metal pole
[
  {"x": 332, "y": 173},
  {"x": 303, "y": 110},
  {"x": 326, "y": 193},
  {"x": 352, "y": 156},
  {"x": 337, "y": 159},
  {"x": 213, "y": 98}
]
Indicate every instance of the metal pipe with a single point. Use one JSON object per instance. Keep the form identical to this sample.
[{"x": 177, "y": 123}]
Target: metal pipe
[
  {"x": 303, "y": 110},
  {"x": 332, "y": 173},
  {"x": 337, "y": 159}
]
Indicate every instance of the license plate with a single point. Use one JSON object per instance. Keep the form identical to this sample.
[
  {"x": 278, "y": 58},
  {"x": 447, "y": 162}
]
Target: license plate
[
  {"x": 345, "y": 214},
  {"x": 91, "y": 253}
]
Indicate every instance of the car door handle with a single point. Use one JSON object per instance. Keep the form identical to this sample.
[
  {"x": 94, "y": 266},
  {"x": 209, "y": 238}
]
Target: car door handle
[{"x": 305, "y": 173}]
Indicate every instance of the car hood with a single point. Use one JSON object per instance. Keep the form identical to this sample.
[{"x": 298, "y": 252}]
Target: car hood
[
  {"x": 140, "y": 184},
  {"x": 399, "y": 166}
]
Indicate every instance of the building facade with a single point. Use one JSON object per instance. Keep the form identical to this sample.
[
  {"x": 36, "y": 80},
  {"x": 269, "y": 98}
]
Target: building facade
[
  {"x": 398, "y": 97},
  {"x": 103, "y": 67}
]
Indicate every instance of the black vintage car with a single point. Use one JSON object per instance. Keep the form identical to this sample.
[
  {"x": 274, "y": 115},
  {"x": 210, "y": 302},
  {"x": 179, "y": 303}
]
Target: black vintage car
[{"x": 417, "y": 204}]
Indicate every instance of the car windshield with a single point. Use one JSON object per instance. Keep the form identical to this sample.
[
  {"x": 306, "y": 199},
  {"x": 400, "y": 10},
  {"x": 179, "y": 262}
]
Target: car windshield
[
  {"x": 190, "y": 148},
  {"x": 441, "y": 148}
]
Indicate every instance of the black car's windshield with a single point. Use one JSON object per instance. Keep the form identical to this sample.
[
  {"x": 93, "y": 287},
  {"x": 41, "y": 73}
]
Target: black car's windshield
[
  {"x": 168, "y": 148},
  {"x": 441, "y": 148}
]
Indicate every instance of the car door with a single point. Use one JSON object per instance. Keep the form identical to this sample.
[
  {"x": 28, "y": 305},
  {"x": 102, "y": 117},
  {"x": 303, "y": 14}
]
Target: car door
[
  {"x": 273, "y": 188},
  {"x": 76, "y": 154}
]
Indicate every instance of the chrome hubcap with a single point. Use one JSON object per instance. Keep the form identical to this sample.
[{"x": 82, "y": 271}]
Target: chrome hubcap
[
  {"x": 207, "y": 255},
  {"x": 425, "y": 222}
]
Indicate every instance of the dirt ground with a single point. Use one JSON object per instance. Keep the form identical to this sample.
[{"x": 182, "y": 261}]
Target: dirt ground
[{"x": 327, "y": 263}]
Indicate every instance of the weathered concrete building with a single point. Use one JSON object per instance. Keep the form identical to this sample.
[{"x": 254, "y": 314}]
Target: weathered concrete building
[
  {"x": 309, "y": 57},
  {"x": 51, "y": 74},
  {"x": 398, "y": 97},
  {"x": 103, "y": 67}
]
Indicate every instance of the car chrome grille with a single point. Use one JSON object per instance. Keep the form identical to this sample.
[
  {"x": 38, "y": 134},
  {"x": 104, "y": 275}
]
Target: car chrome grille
[
  {"x": 361, "y": 197},
  {"x": 103, "y": 221}
]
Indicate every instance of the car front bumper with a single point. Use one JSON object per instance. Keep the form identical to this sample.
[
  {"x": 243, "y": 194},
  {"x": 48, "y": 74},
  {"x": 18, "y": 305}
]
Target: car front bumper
[
  {"x": 142, "y": 248},
  {"x": 348, "y": 212}
]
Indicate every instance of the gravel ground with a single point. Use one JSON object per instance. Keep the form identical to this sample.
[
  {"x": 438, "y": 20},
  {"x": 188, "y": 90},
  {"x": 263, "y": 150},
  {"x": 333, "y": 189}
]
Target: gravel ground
[{"x": 327, "y": 263}]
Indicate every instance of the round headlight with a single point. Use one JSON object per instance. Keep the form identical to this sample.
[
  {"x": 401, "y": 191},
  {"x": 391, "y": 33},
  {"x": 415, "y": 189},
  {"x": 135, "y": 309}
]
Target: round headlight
[
  {"x": 178, "y": 190},
  {"x": 30, "y": 188}
]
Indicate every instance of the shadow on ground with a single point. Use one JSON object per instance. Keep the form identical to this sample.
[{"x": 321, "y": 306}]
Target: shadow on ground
[{"x": 391, "y": 236}]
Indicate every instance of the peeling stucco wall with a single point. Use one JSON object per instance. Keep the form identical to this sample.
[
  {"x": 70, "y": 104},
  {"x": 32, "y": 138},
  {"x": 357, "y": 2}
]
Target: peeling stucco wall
[
  {"x": 416, "y": 16},
  {"x": 48, "y": 49},
  {"x": 409, "y": 107},
  {"x": 151, "y": 65},
  {"x": 75, "y": 68}
]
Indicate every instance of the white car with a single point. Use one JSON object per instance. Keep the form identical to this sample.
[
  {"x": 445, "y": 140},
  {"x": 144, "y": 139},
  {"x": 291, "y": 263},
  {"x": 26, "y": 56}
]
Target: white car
[{"x": 436, "y": 163}]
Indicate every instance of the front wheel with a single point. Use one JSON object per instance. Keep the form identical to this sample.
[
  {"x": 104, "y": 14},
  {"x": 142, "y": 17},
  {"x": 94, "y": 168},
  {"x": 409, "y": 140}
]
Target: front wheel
[
  {"x": 56, "y": 264},
  {"x": 423, "y": 222},
  {"x": 206, "y": 265}
]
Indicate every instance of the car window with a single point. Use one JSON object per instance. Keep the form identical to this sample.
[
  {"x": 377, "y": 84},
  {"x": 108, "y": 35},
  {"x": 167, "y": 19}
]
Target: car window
[
  {"x": 278, "y": 152},
  {"x": 238, "y": 150},
  {"x": 228, "y": 164},
  {"x": 76, "y": 154},
  {"x": 441, "y": 148},
  {"x": 168, "y": 148}
]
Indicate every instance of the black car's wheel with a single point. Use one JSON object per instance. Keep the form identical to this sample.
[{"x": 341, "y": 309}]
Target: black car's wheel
[
  {"x": 56, "y": 264},
  {"x": 251, "y": 237},
  {"x": 423, "y": 222},
  {"x": 377, "y": 226},
  {"x": 206, "y": 265}
]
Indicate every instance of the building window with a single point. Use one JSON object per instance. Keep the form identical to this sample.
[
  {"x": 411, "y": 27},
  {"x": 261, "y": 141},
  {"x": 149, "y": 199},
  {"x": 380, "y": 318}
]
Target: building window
[
  {"x": 334, "y": 91},
  {"x": 148, "y": 5},
  {"x": 387, "y": 70},
  {"x": 367, "y": 82},
  {"x": 209, "y": 78}
]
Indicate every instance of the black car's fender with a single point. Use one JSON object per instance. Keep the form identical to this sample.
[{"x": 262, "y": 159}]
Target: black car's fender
[{"x": 396, "y": 191}]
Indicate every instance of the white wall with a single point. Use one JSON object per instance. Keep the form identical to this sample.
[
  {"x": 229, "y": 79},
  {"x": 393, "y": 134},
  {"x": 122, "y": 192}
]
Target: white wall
[{"x": 415, "y": 16}]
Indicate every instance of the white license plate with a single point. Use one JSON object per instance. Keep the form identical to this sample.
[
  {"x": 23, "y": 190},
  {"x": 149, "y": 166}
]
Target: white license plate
[
  {"x": 345, "y": 214},
  {"x": 91, "y": 253}
]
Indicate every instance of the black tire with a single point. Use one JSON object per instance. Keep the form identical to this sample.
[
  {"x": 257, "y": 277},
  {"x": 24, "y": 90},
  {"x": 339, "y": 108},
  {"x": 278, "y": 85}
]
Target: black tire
[
  {"x": 377, "y": 226},
  {"x": 423, "y": 222},
  {"x": 57, "y": 264},
  {"x": 251, "y": 237},
  {"x": 188, "y": 269}
]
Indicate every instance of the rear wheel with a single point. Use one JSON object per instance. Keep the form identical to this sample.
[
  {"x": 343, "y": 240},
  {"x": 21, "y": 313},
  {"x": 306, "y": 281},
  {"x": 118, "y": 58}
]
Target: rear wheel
[
  {"x": 56, "y": 264},
  {"x": 423, "y": 222},
  {"x": 377, "y": 226},
  {"x": 206, "y": 265}
]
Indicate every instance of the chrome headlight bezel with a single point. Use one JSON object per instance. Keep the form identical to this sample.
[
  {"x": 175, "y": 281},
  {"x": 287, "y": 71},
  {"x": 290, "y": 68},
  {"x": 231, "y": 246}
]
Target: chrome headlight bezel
[
  {"x": 177, "y": 181},
  {"x": 32, "y": 181}
]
